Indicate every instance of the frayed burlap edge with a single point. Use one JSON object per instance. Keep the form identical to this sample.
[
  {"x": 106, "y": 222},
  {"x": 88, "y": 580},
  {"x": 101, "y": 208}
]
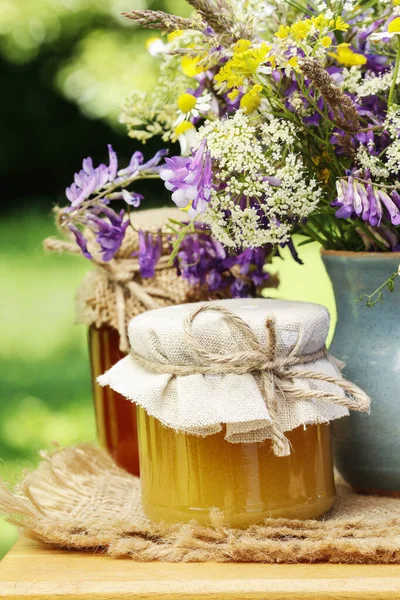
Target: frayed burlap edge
[{"x": 78, "y": 498}]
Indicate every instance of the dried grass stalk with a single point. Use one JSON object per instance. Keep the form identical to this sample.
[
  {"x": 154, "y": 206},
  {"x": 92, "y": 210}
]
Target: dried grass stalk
[
  {"x": 157, "y": 19},
  {"x": 343, "y": 108}
]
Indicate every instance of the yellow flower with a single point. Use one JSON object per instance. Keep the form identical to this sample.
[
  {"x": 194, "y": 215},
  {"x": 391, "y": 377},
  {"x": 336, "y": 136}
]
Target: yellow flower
[
  {"x": 341, "y": 25},
  {"x": 394, "y": 26},
  {"x": 301, "y": 29},
  {"x": 324, "y": 175},
  {"x": 190, "y": 66},
  {"x": 186, "y": 102},
  {"x": 326, "y": 41},
  {"x": 347, "y": 57},
  {"x": 396, "y": 2},
  {"x": 293, "y": 62},
  {"x": 233, "y": 95},
  {"x": 175, "y": 34},
  {"x": 228, "y": 76},
  {"x": 320, "y": 22},
  {"x": 243, "y": 64},
  {"x": 242, "y": 46},
  {"x": 282, "y": 32},
  {"x": 183, "y": 128},
  {"x": 251, "y": 101}
]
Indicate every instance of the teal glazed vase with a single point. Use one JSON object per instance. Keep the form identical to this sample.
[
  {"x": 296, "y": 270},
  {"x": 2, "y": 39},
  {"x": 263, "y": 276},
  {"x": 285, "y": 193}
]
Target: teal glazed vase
[{"x": 367, "y": 340}]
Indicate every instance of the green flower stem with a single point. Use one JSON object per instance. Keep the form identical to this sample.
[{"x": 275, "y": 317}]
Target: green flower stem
[
  {"x": 309, "y": 232},
  {"x": 395, "y": 74},
  {"x": 377, "y": 296}
]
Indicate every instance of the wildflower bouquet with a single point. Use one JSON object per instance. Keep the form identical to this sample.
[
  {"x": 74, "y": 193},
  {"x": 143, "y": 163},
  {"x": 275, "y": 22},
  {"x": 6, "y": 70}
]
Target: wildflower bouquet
[{"x": 288, "y": 119}]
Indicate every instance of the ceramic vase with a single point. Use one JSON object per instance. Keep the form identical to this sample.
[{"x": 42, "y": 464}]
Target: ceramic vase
[{"x": 367, "y": 339}]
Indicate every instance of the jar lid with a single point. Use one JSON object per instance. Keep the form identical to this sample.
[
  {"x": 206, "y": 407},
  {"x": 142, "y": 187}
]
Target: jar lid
[{"x": 181, "y": 382}]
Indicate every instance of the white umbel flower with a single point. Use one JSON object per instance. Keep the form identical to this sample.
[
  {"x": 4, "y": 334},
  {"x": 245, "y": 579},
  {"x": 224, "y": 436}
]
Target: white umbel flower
[{"x": 260, "y": 182}]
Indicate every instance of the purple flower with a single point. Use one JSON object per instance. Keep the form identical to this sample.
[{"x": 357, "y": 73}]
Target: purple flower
[
  {"x": 80, "y": 240},
  {"x": 362, "y": 199},
  {"x": 102, "y": 180},
  {"x": 113, "y": 163},
  {"x": 190, "y": 179},
  {"x": 132, "y": 198},
  {"x": 109, "y": 231},
  {"x": 202, "y": 260},
  {"x": 252, "y": 262},
  {"x": 240, "y": 289},
  {"x": 150, "y": 249}
]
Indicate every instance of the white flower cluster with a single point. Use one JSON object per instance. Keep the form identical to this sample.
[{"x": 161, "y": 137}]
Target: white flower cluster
[
  {"x": 392, "y": 126},
  {"x": 373, "y": 163},
  {"x": 393, "y": 157},
  {"x": 260, "y": 182},
  {"x": 260, "y": 10},
  {"x": 335, "y": 7},
  {"x": 322, "y": 7},
  {"x": 352, "y": 80},
  {"x": 388, "y": 162},
  {"x": 375, "y": 84},
  {"x": 392, "y": 122}
]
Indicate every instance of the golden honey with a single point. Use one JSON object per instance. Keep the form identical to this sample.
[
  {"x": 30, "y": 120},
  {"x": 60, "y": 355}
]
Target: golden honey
[
  {"x": 184, "y": 476},
  {"x": 115, "y": 415}
]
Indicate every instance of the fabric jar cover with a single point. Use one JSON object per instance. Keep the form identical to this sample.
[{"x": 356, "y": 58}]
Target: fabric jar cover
[{"x": 202, "y": 404}]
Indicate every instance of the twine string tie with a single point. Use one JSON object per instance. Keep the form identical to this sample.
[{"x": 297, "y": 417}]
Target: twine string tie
[{"x": 277, "y": 376}]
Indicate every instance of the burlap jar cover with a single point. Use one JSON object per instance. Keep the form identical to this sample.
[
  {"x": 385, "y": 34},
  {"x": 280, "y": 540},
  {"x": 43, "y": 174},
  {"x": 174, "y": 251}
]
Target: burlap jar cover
[
  {"x": 258, "y": 367},
  {"x": 114, "y": 292}
]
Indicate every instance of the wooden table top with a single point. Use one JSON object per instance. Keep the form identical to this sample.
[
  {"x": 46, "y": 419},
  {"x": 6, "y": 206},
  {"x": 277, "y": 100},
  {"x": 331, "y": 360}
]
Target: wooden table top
[{"x": 38, "y": 572}]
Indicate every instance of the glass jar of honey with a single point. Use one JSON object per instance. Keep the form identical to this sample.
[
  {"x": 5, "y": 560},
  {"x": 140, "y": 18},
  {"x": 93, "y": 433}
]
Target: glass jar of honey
[
  {"x": 235, "y": 400},
  {"x": 116, "y": 421},
  {"x": 184, "y": 476}
]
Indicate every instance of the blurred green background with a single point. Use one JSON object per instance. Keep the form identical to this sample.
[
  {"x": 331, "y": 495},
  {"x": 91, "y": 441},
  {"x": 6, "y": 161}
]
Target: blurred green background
[{"x": 65, "y": 66}]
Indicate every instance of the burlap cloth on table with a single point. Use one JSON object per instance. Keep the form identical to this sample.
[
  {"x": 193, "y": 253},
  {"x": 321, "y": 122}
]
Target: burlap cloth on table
[{"x": 79, "y": 499}]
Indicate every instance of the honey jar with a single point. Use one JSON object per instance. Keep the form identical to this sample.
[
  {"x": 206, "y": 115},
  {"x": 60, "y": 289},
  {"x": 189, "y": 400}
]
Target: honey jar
[
  {"x": 115, "y": 417},
  {"x": 235, "y": 400}
]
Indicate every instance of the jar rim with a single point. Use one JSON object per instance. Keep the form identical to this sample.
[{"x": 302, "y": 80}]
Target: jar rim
[{"x": 363, "y": 254}]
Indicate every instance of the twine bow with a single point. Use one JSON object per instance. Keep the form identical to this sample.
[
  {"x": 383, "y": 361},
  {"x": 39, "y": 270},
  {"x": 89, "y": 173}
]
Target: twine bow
[
  {"x": 122, "y": 273},
  {"x": 276, "y": 376}
]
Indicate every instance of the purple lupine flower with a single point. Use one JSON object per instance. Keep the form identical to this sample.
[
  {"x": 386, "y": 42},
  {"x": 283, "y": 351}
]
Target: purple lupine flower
[
  {"x": 80, "y": 240},
  {"x": 132, "y": 198},
  {"x": 362, "y": 199},
  {"x": 240, "y": 289},
  {"x": 252, "y": 261},
  {"x": 133, "y": 167},
  {"x": 202, "y": 260},
  {"x": 90, "y": 179},
  {"x": 109, "y": 231},
  {"x": 102, "y": 180},
  {"x": 113, "y": 163},
  {"x": 150, "y": 249},
  {"x": 190, "y": 179},
  {"x": 137, "y": 165}
]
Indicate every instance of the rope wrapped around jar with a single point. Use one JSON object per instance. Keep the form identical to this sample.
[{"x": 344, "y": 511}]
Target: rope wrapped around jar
[{"x": 114, "y": 291}]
